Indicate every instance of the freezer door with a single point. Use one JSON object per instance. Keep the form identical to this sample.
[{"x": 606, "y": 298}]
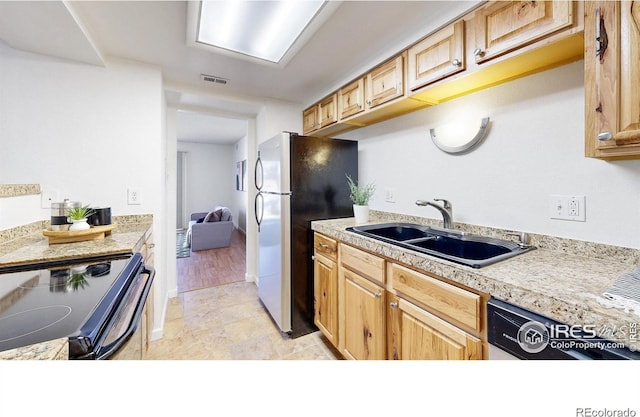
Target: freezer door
[
  {"x": 272, "y": 170},
  {"x": 274, "y": 264}
]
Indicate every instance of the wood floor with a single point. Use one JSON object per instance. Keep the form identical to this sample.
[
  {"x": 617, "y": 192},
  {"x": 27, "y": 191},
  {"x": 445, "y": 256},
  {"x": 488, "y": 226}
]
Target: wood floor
[{"x": 213, "y": 267}]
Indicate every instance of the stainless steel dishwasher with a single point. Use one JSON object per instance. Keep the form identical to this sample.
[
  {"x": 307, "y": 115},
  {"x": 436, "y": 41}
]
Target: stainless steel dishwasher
[{"x": 516, "y": 333}]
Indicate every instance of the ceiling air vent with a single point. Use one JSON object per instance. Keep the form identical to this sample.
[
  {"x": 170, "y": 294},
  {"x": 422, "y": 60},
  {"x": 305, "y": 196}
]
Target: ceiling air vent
[{"x": 213, "y": 79}]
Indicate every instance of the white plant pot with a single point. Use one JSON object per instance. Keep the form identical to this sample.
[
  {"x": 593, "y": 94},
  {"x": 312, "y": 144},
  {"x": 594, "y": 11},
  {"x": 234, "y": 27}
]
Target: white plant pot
[
  {"x": 79, "y": 225},
  {"x": 361, "y": 213}
]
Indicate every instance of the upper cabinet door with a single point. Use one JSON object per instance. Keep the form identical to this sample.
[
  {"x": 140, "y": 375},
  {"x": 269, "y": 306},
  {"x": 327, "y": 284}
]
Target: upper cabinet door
[
  {"x": 351, "y": 99},
  {"x": 612, "y": 79},
  {"x": 436, "y": 57},
  {"x": 310, "y": 119},
  {"x": 385, "y": 82},
  {"x": 328, "y": 111},
  {"x": 503, "y": 26}
]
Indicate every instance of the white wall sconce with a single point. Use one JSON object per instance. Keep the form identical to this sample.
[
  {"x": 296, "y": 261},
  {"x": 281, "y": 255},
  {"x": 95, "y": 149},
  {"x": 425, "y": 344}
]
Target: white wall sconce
[{"x": 457, "y": 138}]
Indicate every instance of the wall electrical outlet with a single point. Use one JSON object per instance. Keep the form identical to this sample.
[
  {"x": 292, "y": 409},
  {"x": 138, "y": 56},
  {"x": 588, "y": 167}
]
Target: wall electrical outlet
[
  {"x": 567, "y": 207},
  {"x": 133, "y": 196},
  {"x": 47, "y": 197},
  {"x": 390, "y": 195}
]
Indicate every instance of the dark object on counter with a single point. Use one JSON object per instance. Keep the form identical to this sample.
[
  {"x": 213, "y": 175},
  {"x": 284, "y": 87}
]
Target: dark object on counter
[
  {"x": 100, "y": 216},
  {"x": 59, "y": 219}
]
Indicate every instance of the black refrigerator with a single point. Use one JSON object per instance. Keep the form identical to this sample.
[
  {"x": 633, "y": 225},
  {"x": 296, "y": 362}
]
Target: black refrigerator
[{"x": 299, "y": 179}]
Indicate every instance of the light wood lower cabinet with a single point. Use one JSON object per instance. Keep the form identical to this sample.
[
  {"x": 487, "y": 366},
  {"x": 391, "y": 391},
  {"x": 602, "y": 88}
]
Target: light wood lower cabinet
[
  {"x": 326, "y": 297},
  {"x": 364, "y": 318},
  {"x": 325, "y": 292},
  {"x": 148, "y": 253},
  {"x": 420, "y": 335},
  {"x": 371, "y": 308}
]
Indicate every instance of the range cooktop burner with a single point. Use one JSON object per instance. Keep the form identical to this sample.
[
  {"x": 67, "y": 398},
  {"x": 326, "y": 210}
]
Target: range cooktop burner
[
  {"x": 53, "y": 301},
  {"x": 13, "y": 327}
]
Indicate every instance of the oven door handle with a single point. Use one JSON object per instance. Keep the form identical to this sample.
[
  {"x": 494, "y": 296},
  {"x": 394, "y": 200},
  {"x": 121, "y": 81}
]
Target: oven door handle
[{"x": 114, "y": 346}]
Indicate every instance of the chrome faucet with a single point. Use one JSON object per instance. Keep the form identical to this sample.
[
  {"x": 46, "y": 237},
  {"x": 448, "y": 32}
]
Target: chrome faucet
[{"x": 446, "y": 210}]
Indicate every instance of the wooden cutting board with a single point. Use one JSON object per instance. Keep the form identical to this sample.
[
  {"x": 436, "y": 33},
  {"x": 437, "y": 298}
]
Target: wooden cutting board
[{"x": 69, "y": 236}]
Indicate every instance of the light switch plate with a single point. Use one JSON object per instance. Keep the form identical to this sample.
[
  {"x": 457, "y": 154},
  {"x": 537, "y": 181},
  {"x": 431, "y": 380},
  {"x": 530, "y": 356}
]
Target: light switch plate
[
  {"x": 390, "y": 195},
  {"x": 567, "y": 207}
]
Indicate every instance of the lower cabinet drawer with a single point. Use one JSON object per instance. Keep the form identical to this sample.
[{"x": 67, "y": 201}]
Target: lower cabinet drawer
[
  {"x": 363, "y": 263},
  {"x": 326, "y": 246},
  {"x": 446, "y": 299}
]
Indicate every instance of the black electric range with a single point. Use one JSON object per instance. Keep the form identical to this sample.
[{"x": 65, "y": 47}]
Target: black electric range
[{"x": 86, "y": 300}]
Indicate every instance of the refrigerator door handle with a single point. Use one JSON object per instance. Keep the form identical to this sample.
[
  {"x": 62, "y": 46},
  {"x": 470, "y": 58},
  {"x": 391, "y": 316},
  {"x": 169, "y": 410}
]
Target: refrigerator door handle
[
  {"x": 255, "y": 206},
  {"x": 276, "y": 193},
  {"x": 255, "y": 173}
]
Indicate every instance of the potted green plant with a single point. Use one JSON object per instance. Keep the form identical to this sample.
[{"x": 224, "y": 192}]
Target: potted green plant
[
  {"x": 78, "y": 216},
  {"x": 360, "y": 195}
]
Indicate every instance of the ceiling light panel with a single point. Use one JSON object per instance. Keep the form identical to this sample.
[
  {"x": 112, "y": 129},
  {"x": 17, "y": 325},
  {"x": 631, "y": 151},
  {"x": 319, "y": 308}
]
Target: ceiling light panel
[{"x": 262, "y": 29}]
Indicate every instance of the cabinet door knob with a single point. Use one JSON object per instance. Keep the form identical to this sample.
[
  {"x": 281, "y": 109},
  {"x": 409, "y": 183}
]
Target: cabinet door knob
[
  {"x": 377, "y": 295},
  {"x": 605, "y": 136},
  {"x": 393, "y": 305},
  {"x": 478, "y": 52},
  {"x": 456, "y": 63}
]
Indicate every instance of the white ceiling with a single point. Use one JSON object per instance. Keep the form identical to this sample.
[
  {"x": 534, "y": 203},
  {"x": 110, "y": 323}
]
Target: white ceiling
[{"x": 355, "y": 37}]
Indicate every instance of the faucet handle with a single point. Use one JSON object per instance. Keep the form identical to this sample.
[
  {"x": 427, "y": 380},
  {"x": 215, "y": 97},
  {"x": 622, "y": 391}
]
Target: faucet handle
[
  {"x": 447, "y": 203},
  {"x": 524, "y": 238}
]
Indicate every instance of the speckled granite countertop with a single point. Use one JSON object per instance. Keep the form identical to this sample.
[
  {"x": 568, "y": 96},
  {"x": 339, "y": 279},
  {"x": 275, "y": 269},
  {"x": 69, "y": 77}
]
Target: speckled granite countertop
[
  {"x": 26, "y": 244},
  {"x": 57, "y": 349},
  {"x": 562, "y": 279}
]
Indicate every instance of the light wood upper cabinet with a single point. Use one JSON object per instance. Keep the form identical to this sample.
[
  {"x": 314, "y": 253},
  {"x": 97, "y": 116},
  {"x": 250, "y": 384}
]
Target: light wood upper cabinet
[
  {"x": 503, "y": 26},
  {"x": 612, "y": 79},
  {"x": 385, "y": 82},
  {"x": 310, "y": 119},
  {"x": 351, "y": 99},
  {"x": 436, "y": 57},
  {"x": 328, "y": 110}
]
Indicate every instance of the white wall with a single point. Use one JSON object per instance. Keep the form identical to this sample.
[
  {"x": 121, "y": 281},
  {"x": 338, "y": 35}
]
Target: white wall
[
  {"x": 88, "y": 132},
  {"x": 276, "y": 117},
  {"x": 210, "y": 177},
  {"x": 534, "y": 148},
  {"x": 19, "y": 210},
  {"x": 241, "y": 197}
]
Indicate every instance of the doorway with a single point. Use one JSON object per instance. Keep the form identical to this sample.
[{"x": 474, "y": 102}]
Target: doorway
[{"x": 181, "y": 193}]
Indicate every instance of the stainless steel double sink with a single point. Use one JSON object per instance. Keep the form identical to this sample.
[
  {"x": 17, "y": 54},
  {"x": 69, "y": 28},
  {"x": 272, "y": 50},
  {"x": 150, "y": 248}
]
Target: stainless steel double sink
[{"x": 454, "y": 245}]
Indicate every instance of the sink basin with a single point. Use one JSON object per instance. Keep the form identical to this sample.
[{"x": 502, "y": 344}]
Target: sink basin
[
  {"x": 466, "y": 249},
  {"x": 397, "y": 232},
  {"x": 453, "y": 245}
]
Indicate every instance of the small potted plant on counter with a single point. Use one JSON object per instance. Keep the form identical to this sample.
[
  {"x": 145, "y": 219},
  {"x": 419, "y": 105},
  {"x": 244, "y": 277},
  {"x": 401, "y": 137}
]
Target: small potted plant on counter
[
  {"x": 360, "y": 195},
  {"x": 79, "y": 216}
]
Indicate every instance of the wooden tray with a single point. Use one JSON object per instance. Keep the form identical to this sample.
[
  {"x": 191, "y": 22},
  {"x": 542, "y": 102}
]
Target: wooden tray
[{"x": 68, "y": 236}]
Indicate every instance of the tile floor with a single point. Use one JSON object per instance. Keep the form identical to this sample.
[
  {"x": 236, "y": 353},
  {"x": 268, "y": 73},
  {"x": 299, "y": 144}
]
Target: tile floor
[{"x": 229, "y": 322}]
